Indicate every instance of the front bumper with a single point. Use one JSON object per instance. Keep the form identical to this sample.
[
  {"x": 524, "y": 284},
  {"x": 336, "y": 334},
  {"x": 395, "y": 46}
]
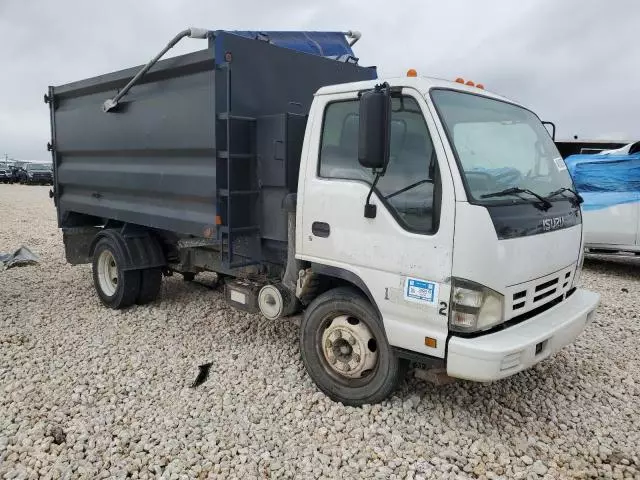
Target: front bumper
[{"x": 516, "y": 348}]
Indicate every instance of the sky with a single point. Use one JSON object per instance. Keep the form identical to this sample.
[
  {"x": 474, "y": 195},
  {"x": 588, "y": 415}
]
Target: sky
[{"x": 574, "y": 62}]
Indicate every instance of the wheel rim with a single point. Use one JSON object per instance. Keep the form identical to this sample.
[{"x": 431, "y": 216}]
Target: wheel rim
[
  {"x": 349, "y": 347},
  {"x": 107, "y": 273}
]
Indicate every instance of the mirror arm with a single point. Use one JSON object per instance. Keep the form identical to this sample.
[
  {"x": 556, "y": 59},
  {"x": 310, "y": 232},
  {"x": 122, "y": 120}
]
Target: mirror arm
[{"x": 370, "y": 209}]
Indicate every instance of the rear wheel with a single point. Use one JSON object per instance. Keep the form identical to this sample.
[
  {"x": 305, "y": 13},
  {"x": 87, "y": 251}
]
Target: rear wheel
[
  {"x": 150, "y": 284},
  {"x": 116, "y": 288},
  {"x": 345, "y": 350}
]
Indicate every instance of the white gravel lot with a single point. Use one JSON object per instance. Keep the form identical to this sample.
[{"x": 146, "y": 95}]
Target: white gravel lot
[{"x": 113, "y": 388}]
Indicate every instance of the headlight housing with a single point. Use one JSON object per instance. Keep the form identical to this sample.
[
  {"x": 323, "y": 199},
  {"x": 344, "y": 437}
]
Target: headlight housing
[{"x": 474, "y": 307}]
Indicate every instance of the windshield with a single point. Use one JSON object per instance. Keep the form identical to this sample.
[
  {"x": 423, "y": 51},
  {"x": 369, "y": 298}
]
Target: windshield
[{"x": 500, "y": 146}]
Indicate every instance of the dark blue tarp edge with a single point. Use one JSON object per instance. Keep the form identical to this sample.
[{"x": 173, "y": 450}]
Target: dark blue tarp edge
[{"x": 606, "y": 180}]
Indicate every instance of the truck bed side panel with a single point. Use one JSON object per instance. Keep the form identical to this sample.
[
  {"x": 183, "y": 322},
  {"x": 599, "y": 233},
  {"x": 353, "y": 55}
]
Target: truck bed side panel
[{"x": 150, "y": 162}]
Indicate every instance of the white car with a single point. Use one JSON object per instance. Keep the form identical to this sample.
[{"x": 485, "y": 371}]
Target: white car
[{"x": 609, "y": 182}]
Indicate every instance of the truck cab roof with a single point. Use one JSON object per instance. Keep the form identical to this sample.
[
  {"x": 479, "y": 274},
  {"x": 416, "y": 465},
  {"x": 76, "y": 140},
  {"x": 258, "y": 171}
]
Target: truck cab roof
[{"x": 422, "y": 84}]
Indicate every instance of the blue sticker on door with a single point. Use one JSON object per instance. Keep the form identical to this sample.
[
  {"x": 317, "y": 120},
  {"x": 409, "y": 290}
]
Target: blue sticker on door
[{"x": 421, "y": 291}]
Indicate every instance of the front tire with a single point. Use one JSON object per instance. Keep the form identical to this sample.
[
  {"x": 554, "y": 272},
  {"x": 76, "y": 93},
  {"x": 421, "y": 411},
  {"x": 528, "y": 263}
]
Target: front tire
[
  {"x": 345, "y": 350},
  {"x": 116, "y": 288}
]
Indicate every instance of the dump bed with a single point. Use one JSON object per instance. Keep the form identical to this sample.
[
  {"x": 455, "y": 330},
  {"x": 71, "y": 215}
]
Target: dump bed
[{"x": 204, "y": 143}]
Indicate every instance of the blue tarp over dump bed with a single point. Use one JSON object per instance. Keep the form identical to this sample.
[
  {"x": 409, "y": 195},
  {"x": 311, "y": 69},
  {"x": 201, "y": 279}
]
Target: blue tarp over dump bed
[{"x": 326, "y": 44}]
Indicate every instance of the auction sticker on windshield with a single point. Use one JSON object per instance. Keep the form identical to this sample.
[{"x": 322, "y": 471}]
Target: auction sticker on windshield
[
  {"x": 560, "y": 163},
  {"x": 421, "y": 291}
]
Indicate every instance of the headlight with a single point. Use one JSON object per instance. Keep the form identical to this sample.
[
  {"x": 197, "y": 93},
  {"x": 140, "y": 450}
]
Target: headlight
[{"x": 474, "y": 307}]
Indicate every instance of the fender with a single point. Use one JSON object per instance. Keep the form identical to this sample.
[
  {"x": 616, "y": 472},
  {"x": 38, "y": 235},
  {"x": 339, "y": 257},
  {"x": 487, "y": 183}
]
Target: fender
[
  {"x": 136, "y": 245},
  {"x": 347, "y": 276}
]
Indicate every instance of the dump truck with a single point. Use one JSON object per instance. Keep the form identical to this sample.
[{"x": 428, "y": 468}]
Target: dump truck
[{"x": 408, "y": 219}]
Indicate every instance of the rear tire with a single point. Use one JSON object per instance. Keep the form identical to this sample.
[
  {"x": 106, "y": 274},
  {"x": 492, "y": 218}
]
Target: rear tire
[
  {"x": 116, "y": 288},
  {"x": 345, "y": 350},
  {"x": 150, "y": 284}
]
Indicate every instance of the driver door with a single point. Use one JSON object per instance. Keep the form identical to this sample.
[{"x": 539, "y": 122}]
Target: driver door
[{"x": 409, "y": 242}]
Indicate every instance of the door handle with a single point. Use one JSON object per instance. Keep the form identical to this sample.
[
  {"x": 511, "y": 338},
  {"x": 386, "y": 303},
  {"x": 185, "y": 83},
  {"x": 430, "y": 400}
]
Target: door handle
[{"x": 320, "y": 229}]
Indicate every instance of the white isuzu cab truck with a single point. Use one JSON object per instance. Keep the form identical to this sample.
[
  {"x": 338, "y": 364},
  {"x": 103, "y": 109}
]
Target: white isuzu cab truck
[
  {"x": 411, "y": 219},
  {"x": 458, "y": 265}
]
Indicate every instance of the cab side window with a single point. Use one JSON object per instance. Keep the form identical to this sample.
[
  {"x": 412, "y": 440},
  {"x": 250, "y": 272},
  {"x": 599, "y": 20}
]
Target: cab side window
[{"x": 410, "y": 188}]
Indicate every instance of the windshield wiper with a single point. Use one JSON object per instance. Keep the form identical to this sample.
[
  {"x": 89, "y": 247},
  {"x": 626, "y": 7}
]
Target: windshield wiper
[
  {"x": 517, "y": 191},
  {"x": 560, "y": 191}
]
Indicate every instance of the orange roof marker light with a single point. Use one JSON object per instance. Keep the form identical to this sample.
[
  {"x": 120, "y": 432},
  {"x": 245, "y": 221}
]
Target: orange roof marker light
[
  {"x": 412, "y": 72},
  {"x": 469, "y": 83}
]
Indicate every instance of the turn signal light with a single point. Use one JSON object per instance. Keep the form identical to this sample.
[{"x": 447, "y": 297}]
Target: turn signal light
[
  {"x": 412, "y": 72},
  {"x": 430, "y": 342}
]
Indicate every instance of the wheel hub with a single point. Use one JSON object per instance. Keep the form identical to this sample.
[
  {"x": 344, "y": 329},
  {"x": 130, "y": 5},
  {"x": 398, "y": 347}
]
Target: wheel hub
[
  {"x": 349, "y": 347},
  {"x": 107, "y": 272}
]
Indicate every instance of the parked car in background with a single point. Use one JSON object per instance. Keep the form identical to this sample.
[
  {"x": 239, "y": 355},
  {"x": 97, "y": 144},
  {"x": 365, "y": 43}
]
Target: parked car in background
[
  {"x": 14, "y": 171},
  {"x": 32, "y": 173},
  {"x": 5, "y": 172},
  {"x": 609, "y": 182}
]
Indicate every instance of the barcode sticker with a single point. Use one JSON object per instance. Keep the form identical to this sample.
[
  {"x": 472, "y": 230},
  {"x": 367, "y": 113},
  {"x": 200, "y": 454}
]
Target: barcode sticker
[{"x": 421, "y": 291}]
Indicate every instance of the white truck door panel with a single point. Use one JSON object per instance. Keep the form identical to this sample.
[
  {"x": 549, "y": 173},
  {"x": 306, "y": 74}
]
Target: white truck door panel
[{"x": 391, "y": 260}]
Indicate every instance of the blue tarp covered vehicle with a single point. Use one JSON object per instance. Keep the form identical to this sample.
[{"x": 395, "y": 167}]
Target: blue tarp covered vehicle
[{"x": 609, "y": 182}]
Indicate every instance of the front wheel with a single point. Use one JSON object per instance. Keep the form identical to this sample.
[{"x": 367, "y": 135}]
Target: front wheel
[
  {"x": 116, "y": 288},
  {"x": 345, "y": 351}
]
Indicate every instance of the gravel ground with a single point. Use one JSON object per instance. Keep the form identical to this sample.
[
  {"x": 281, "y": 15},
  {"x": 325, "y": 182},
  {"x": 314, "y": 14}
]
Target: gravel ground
[{"x": 89, "y": 392}]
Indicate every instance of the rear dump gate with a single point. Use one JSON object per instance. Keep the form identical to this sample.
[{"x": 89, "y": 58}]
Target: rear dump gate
[{"x": 205, "y": 145}]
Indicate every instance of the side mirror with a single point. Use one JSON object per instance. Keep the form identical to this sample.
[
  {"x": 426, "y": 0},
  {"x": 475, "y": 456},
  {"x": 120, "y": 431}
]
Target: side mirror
[
  {"x": 375, "y": 128},
  {"x": 374, "y": 136}
]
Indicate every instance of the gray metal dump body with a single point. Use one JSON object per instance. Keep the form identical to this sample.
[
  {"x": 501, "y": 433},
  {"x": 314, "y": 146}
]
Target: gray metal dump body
[
  {"x": 152, "y": 162},
  {"x": 206, "y": 144}
]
